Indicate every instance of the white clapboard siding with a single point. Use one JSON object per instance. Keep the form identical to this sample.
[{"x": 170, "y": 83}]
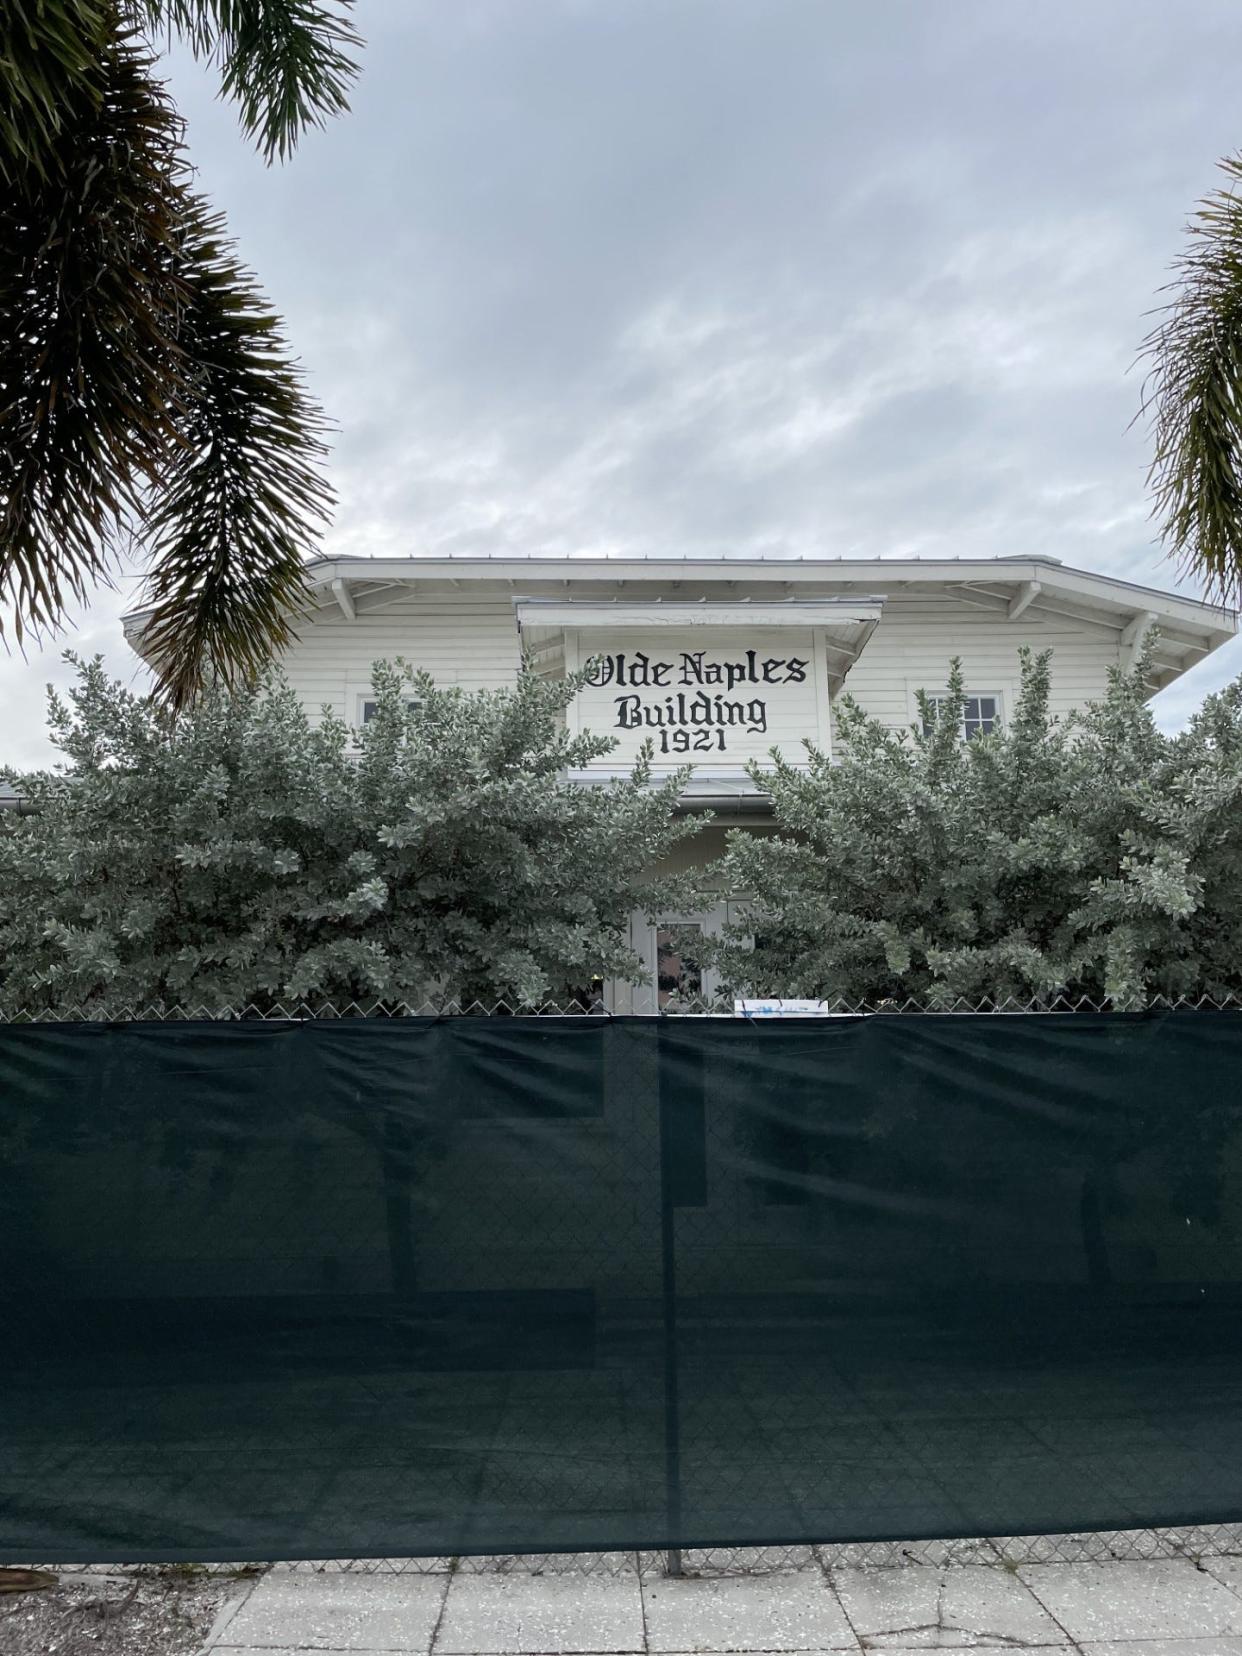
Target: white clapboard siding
[
  {"x": 465, "y": 639},
  {"x": 918, "y": 637},
  {"x": 468, "y": 637}
]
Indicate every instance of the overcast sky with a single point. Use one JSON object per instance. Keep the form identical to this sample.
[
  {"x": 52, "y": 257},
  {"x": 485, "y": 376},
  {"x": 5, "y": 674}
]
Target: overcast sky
[{"x": 791, "y": 277}]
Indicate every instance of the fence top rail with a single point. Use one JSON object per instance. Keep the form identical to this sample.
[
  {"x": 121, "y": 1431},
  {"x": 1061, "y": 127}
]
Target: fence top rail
[{"x": 839, "y": 1007}]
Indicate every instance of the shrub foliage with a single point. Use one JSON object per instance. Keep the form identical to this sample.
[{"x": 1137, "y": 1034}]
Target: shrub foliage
[
  {"x": 240, "y": 853},
  {"x": 1092, "y": 857}
]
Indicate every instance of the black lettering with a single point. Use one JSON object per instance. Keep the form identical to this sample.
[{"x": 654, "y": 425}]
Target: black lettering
[{"x": 700, "y": 709}]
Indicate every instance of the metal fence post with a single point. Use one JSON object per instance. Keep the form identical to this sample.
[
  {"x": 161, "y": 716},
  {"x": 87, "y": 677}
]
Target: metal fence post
[{"x": 668, "y": 1238}]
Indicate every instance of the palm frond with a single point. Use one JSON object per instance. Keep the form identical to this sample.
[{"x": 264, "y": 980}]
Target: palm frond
[
  {"x": 144, "y": 380},
  {"x": 1193, "y": 397},
  {"x": 89, "y": 367},
  {"x": 289, "y": 64},
  {"x": 49, "y": 72},
  {"x": 242, "y": 500}
]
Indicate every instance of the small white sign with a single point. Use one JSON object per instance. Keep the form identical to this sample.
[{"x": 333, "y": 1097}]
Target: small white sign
[{"x": 781, "y": 1009}]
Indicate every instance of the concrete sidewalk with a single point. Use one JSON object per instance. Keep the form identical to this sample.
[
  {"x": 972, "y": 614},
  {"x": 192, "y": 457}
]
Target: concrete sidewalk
[{"x": 1159, "y": 1607}]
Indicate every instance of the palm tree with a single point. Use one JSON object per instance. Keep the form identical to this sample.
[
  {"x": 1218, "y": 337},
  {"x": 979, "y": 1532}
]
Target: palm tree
[
  {"x": 1193, "y": 395},
  {"x": 146, "y": 393}
]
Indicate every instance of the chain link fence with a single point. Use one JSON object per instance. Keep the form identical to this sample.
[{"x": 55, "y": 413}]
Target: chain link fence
[
  {"x": 1191, "y": 1541},
  {"x": 594, "y": 1005}
]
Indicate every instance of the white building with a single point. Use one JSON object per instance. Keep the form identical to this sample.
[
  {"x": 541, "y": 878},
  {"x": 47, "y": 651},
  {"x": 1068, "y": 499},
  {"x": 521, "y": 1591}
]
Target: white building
[{"x": 720, "y": 660}]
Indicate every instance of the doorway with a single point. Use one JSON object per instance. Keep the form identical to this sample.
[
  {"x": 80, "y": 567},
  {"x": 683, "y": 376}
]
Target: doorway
[{"x": 672, "y": 973}]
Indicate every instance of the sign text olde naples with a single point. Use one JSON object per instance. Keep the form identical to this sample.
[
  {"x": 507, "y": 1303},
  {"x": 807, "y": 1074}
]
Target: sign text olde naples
[{"x": 691, "y": 703}]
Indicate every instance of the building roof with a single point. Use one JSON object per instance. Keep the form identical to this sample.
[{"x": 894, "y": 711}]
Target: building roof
[{"x": 1188, "y": 628}]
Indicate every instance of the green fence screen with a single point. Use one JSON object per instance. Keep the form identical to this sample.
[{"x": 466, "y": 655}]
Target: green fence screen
[{"x": 368, "y": 1287}]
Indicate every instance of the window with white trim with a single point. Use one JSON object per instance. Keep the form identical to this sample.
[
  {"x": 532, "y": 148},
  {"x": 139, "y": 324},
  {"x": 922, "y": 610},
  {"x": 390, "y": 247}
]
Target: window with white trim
[
  {"x": 368, "y": 707},
  {"x": 981, "y": 713}
]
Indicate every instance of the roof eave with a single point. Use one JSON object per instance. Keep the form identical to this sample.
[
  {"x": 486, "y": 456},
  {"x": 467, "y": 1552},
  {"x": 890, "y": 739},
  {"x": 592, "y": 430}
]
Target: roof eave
[{"x": 1109, "y": 590}]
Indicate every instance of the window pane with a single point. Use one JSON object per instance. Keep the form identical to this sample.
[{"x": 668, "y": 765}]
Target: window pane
[
  {"x": 677, "y": 975},
  {"x": 980, "y": 714},
  {"x": 370, "y": 708}
]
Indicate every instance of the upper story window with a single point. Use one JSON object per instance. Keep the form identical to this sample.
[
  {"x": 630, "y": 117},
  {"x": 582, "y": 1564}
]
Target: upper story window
[
  {"x": 981, "y": 714},
  {"x": 368, "y": 707}
]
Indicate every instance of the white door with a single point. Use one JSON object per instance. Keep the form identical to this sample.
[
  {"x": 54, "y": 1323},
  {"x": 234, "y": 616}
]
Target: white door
[{"x": 672, "y": 972}]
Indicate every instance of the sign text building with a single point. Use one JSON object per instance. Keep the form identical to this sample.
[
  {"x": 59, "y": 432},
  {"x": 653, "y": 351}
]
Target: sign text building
[
  {"x": 714, "y": 685},
  {"x": 726, "y": 700}
]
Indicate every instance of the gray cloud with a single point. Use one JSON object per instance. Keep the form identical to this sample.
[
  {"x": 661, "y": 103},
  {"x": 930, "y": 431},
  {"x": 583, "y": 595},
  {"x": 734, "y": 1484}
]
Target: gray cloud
[{"x": 671, "y": 276}]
